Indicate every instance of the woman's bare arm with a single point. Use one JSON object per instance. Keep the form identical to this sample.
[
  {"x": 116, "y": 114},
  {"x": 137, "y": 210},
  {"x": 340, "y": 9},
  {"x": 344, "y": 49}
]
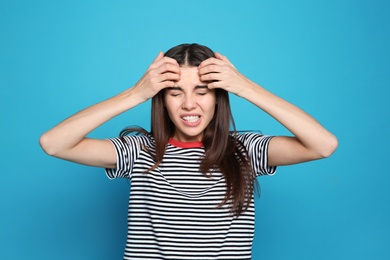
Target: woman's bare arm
[
  {"x": 310, "y": 140},
  {"x": 68, "y": 140}
]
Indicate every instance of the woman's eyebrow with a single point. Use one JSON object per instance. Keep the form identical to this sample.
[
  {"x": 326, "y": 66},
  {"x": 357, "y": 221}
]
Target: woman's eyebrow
[
  {"x": 175, "y": 88},
  {"x": 181, "y": 89},
  {"x": 200, "y": 87}
]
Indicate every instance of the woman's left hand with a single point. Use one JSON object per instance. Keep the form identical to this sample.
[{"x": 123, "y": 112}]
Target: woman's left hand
[
  {"x": 221, "y": 73},
  {"x": 311, "y": 140}
]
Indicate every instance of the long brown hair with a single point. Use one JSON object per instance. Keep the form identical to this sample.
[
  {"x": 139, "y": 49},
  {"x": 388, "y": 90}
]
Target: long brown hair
[{"x": 222, "y": 150}]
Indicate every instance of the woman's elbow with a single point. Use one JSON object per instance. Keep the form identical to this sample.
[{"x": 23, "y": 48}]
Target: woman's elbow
[
  {"x": 47, "y": 145},
  {"x": 329, "y": 147}
]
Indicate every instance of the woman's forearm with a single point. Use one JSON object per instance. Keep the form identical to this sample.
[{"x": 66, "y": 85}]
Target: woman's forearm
[
  {"x": 70, "y": 132},
  {"x": 305, "y": 128},
  {"x": 68, "y": 139}
]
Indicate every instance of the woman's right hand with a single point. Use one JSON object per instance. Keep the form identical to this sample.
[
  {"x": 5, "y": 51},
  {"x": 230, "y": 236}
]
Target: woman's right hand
[
  {"x": 162, "y": 73},
  {"x": 68, "y": 140}
]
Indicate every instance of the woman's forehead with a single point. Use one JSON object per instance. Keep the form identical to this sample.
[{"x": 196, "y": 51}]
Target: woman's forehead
[{"x": 189, "y": 78}]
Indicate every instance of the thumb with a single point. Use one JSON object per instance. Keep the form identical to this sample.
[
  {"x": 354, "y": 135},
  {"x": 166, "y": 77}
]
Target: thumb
[
  {"x": 220, "y": 56},
  {"x": 223, "y": 58},
  {"x": 159, "y": 56}
]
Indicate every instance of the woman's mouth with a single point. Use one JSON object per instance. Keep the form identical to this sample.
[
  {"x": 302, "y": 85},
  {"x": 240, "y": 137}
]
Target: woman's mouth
[{"x": 191, "y": 119}]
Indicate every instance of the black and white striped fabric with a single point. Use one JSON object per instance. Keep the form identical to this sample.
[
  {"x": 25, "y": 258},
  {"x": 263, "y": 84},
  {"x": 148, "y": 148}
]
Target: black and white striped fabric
[{"x": 174, "y": 210}]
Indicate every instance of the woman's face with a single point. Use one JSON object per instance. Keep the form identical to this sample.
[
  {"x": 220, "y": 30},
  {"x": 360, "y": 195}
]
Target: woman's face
[{"x": 190, "y": 105}]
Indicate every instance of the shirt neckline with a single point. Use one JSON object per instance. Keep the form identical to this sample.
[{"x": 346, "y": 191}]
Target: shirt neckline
[{"x": 179, "y": 144}]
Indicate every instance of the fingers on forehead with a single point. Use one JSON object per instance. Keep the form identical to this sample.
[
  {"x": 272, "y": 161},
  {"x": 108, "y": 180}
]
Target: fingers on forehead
[
  {"x": 164, "y": 61},
  {"x": 169, "y": 59},
  {"x": 209, "y": 68},
  {"x": 210, "y": 61}
]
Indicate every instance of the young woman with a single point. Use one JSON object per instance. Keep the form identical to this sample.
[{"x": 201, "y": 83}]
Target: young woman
[{"x": 192, "y": 179}]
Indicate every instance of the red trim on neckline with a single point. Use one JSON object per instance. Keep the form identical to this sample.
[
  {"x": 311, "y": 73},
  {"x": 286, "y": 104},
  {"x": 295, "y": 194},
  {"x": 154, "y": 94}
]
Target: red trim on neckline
[{"x": 185, "y": 144}]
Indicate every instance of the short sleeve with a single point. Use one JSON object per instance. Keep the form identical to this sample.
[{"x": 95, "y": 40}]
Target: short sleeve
[
  {"x": 257, "y": 147},
  {"x": 127, "y": 150}
]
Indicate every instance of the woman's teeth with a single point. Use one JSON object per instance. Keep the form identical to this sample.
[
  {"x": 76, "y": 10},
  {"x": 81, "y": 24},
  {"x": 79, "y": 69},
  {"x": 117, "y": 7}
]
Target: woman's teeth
[{"x": 191, "y": 119}]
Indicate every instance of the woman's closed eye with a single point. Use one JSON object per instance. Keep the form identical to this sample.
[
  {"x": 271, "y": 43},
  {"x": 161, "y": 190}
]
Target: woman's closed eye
[
  {"x": 202, "y": 93},
  {"x": 202, "y": 90},
  {"x": 175, "y": 93}
]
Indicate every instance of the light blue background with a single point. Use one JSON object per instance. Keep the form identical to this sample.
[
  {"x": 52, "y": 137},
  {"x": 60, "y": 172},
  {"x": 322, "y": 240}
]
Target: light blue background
[{"x": 331, "y": 58}]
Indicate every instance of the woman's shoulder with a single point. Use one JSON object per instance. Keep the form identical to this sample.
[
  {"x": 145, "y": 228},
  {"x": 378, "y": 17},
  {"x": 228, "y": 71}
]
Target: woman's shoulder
[
  {"x": 248, "y": 138},
  {"x": 247, "y": 134},
  {"x": 139, "y": 139}
]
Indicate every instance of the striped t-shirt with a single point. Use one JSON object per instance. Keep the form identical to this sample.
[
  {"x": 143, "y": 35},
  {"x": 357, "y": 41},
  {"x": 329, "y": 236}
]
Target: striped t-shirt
[{"x": 173, "y": 210}]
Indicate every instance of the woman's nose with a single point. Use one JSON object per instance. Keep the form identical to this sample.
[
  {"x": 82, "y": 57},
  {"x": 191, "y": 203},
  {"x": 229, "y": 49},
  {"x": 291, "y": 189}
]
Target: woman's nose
[{"x": 189, "y": 102}]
